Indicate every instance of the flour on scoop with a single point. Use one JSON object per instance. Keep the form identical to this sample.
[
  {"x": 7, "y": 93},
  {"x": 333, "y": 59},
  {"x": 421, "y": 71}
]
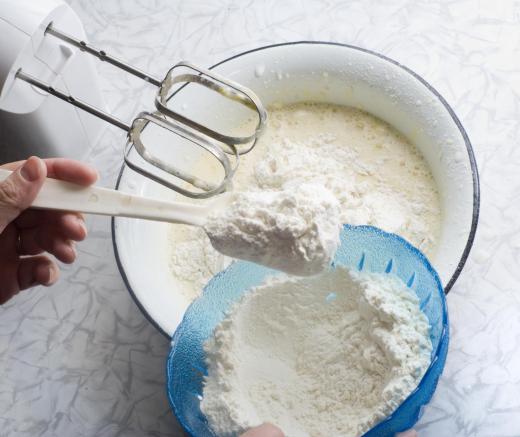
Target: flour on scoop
[{"x": 294, "y": 230}]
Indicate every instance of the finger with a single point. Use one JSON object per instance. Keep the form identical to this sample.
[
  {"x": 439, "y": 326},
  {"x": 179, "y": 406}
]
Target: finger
[
  {"x": 64, "y": 250},
  {"x": 27, "y": 243},
  {"x": 18, "y": 191},
  {"x": 36, "y": 217},
  {"x": 35, "y": 240},
  {"x": 409, "y": 433},
  {"x": 13, "y": 165},
  {"x": 37, "y": 270},
  {"x": 64, "y": 169},
  {"x": 69, "y": 225},
  {"x": 26, "y": 272},
  {"x": 64, "y": 227},
  {"x": 264, "y": 430},
  {"x": 71, "y": 171}
]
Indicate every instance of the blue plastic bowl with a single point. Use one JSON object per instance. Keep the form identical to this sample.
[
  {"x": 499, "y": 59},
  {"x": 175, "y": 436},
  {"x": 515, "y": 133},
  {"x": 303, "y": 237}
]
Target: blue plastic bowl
[{"x": 362, "y": 247}]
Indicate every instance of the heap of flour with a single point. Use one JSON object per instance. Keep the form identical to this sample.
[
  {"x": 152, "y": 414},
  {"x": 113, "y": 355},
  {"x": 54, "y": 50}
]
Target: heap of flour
[
  {"x": 294, "y": 230},
  {"x": 314, "y": 362}
]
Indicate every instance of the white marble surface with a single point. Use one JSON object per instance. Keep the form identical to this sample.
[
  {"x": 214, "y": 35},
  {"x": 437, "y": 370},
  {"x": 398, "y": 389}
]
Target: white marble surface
[{"x": 80, "y": 360}]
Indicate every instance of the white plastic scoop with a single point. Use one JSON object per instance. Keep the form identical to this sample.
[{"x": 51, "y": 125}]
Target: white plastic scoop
[
  {"x": 64, "y": 196},
  {"x": 295, "y": 230}
]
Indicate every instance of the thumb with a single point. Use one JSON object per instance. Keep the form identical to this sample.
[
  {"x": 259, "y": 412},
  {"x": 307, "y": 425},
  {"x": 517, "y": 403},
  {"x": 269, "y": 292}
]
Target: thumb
[
  {"x": 18, "y": 191},
  {"x": 264, "y": 430}
]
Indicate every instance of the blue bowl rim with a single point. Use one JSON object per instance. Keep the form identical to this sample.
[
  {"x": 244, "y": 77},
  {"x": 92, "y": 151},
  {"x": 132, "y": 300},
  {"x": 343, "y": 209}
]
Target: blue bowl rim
[
  {"x": 469, "y": 149},
  {"x": 442, "y": 339}
]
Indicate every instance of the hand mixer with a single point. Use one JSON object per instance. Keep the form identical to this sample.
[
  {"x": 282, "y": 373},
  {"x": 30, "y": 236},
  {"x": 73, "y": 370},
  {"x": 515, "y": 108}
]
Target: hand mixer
[{"x": 223, "y": 148}]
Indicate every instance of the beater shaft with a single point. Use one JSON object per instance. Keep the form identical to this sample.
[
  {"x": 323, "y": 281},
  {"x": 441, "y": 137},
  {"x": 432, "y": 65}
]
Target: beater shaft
[
  {"x": 73, "y": 100},
  {"x": 102, "y": 55}
]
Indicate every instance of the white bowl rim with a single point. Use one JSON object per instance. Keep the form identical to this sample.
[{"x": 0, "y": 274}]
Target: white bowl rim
[{"x": 467, "y": 142}]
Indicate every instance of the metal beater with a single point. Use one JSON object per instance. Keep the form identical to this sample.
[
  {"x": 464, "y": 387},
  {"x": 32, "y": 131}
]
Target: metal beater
[{"x": 218, "y": 145}]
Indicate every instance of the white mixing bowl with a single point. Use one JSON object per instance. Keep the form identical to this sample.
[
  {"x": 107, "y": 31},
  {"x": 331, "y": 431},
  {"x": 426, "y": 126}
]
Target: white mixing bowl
[{"x": 322, "y": 72}]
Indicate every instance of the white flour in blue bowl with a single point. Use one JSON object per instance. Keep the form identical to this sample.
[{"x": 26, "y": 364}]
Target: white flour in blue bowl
[{"x": 332, "y": 354}]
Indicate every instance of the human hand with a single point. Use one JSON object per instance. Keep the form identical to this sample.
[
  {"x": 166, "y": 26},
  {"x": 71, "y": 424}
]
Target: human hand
[
  {"x": 268, "y": 430},
  {"x": 26, "y": 234},
  {"x": 264, "y": 430},
  {"x": 409, "y": 433}
]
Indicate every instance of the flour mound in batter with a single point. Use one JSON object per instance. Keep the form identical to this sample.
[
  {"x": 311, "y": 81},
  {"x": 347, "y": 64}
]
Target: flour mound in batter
[
  {"x": 295, "y": 230},
  {"x": 328, "y": 355}
]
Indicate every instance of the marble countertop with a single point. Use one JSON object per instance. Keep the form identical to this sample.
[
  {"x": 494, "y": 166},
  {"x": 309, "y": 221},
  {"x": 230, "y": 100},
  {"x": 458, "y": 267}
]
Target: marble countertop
[{"x": 79, "y": 359}]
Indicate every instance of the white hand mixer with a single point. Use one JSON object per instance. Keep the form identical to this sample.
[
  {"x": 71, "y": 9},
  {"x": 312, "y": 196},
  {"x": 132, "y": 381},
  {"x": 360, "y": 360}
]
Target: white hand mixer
[
  {"x": 217, "y": 144},
  {"x": 225, "y": 149}
]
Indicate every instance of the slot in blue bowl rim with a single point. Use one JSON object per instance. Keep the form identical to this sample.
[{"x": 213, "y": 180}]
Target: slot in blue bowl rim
[{"x": 443, "y": 339}]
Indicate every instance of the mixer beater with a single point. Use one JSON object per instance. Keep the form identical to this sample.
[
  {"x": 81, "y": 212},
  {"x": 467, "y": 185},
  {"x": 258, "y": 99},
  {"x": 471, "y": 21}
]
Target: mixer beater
[{"x": 219, "y": 146}]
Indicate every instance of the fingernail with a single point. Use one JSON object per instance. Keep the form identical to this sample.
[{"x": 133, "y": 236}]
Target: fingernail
[
  {"x": 83, "y": 226},
  {"x": 52, "y": 274},
  {"x": 30, "y": 171},
  {"x": 72, "y": 246}
]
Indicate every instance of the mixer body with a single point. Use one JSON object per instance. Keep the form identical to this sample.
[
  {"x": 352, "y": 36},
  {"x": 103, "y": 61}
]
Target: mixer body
[{"x": 31, "y": 121}]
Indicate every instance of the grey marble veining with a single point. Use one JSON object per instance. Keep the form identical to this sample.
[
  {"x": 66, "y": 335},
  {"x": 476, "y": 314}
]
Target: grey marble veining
[{"x": 79, "y": 359}]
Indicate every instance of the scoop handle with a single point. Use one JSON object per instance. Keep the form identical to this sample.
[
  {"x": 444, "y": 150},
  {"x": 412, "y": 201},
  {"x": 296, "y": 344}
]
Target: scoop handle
[{"x": 65, "y": 196}]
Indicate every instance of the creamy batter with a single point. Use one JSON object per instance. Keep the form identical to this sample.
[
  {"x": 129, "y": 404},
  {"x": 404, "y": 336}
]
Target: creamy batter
[{"x": 377, "y": 175}]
